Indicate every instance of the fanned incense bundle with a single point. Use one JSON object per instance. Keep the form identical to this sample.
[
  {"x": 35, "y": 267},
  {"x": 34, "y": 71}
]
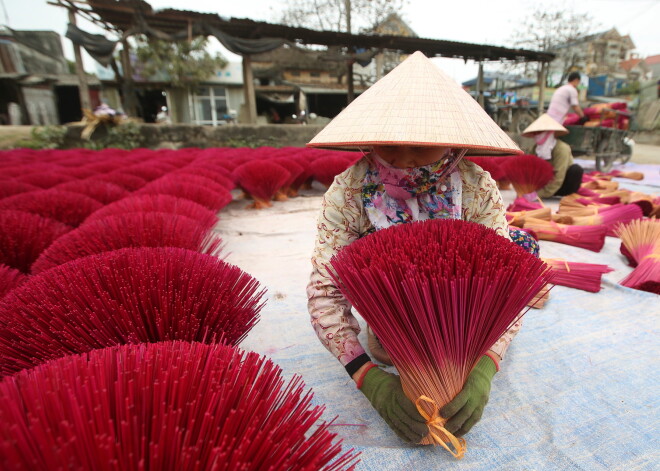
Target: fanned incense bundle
[
  {"x": 220, "y": 178},
  {"x": 521, "y": 204},
  {"x": 584, "y": 276},
  {"x": 124, "y": 180},
  {"x": 14, "y": 187},
  {"x": 261, "y": 179},
  {"x": 528, "y": 173},
  {"x": 168, "y": 406},
  {"x": 586, "y": 237},
  {"x": 45, "y": 180},
  {"x": 295, "y": 170},
  {"x": 213, "y": 200},
  {"x": 327, "y": 167},
  {"x": 24, "y": 236},
  {"x": 491, "y": 165},
  {"x": 157, "y": 204},
  {"x": 63, "y": 206},
  {"x": 10, "y": 278},
  {"x": 103, "y": 192},
  {"x": 129, "y": 230},
  {"x": 437, "y": 294},
  {"x": 641, "y": 238},
  {"x": 126, "y": 296}
]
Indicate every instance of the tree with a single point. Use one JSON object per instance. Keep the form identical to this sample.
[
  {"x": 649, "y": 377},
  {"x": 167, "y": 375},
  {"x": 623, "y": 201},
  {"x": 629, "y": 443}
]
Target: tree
[
  {"x": 551, "y": 28},
  {"x": 184, "y": 63},
  {"x": 331, "y": 15}
]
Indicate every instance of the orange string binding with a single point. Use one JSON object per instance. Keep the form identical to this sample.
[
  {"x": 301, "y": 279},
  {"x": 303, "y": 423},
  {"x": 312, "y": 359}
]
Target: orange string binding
[{"x": 441, "y": 436}]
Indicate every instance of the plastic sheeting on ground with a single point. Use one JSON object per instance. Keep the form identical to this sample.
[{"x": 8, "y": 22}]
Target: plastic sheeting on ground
[{"x": 578, "y": 390}]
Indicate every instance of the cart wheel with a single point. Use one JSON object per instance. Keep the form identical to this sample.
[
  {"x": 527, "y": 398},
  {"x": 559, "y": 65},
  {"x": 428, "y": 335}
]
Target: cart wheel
[
  {"x": 626, "y": 153},
  {"x": 604, "y": 163},
  {"x": 524, "y": 120}
]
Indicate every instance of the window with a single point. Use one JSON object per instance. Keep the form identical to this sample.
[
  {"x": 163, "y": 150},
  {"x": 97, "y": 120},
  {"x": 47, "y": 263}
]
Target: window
[
  {"x": 315, "y": 74},
  {"x": 210, "y": 106}
]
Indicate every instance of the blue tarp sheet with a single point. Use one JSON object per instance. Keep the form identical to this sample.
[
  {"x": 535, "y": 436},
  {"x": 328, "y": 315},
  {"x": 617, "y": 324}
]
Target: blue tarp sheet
[{"x": 578, "y": 390}]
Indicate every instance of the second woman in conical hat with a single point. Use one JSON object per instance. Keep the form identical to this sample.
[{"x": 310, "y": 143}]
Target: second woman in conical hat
[
  {"x": 414, "y": 126},
  {"x": 568, "y": 174}
]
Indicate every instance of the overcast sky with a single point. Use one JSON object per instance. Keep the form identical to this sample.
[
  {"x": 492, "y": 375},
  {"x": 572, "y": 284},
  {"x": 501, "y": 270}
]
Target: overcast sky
[{"x": 475, "y": 21}]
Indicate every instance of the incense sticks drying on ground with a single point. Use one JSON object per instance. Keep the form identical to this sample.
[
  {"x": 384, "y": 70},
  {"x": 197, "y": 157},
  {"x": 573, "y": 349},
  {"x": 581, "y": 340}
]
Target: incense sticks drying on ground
[
  {"x": 24, "y": 236},
  {"x": 64, "y": 206},
  {"x": 168, "y": 406},
  {"x": 10, "y": 278},
  {"x": 641, "y": 239},
  {"x": 584, "y": 276},
  {"x": 261, "y": 180},
  {"x": 587, "y": 237},
  {"x": 157, "y": 204},
  {"x": 437, "y": 294},
  {"x": 528, "y": 173},
  {"x": 126, "y": 296},
  {"x": 130, "y": 230}
]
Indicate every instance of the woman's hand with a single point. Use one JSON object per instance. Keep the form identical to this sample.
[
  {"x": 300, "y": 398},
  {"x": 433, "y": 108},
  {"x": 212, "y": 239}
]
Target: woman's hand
[
  {"x": 385, "y": 393},
  {"x": 466, "y": 408}
]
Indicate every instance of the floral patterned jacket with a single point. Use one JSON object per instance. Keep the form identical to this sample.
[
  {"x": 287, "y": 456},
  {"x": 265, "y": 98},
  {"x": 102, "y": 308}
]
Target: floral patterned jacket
[{"x": 342, "y": 220}]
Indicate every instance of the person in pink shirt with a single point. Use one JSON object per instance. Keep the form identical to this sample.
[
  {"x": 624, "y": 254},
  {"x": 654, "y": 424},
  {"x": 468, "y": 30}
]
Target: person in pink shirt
[{"x": 565, "y": 98}]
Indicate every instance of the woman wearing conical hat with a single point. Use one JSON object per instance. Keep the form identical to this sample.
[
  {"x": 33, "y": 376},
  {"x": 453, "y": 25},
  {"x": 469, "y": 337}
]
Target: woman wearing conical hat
[
  {"x": 568, "y": 175},
  {"x": 414, "y": 126}
]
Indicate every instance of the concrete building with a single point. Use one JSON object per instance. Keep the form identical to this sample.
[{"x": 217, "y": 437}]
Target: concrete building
[{"x": 36, "y": 86}]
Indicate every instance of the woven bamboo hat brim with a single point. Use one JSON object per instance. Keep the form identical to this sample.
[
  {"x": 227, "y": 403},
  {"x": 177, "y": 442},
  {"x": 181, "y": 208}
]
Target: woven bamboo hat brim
[
  {"x": 416, "y": 104},
  {"x": 544, "y": 123}
]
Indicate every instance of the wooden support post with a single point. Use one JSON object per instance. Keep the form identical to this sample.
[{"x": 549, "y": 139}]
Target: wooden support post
[
  {"x": 128, "y": 86},
  {"x": 480, "y": 85},
  {"x": 83, "y": 89},
  {"x": 250, "y": 98},
  {"x": 350, "y": 92},
  {"x": 543, "y": 72}
]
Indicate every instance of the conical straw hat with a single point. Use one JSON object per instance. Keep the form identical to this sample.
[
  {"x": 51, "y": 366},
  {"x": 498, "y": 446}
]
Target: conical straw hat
[
  {"x": 544, "y": 123},
  {"x": 416, "y": 104}
]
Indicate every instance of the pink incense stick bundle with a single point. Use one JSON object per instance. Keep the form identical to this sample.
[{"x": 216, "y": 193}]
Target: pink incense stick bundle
[
  {"x": 521, "y": 204},
  {"x": 213, "y": 200},
  {"x": 438, "y": 294},
  {"x": 326, "y": 168},
  {"x": 157, "y": 204},
  {"x": 10, "y": 278},
  {"x": 45, "y": 180},
  {"x": 125, "y": 180},
  {"x": 612, "y": 217},
  {"x": 24, "y": 236},
  {"x": 528, "y": 173},
  {"x": 126, "y": 296},
  {"x": 63, "y": 206},
  {"x": 103, "y": 192},
  {"x": 129, "y": 230},
  {"x": 261, "y": 179},
  {"x": 146, "y": 171},
  {"x": 14, "y": 187},
  {"x": 583, "y": 191},
  {"x": 584, "y": 276},
  {"x": 167, "y": 406},
  {"x": 586, "y": 237},
  {"x": 517, "y": 218},
  {"x": 599, "y": 200},
  {"x": 489, "y": 164},
  {"x": 630, "y": 175},
  {"x": 223, "y": 179},
  {"x": 295, "y": 170},
  {"x": 641, "y": 239}
]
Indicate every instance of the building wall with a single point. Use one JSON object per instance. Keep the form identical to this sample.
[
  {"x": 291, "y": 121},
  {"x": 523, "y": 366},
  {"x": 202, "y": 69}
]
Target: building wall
[
  {"x": 308, "y": 76},
  {"x": 40, "y": 104}
]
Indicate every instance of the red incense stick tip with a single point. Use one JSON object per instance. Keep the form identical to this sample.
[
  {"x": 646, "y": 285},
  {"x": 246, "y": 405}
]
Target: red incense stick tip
[{"x": 173, "y": 405}]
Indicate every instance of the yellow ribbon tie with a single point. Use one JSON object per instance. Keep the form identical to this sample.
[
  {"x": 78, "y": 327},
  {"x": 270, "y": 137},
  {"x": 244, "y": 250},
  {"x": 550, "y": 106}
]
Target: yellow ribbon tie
[{"x": 441, "y": 435}]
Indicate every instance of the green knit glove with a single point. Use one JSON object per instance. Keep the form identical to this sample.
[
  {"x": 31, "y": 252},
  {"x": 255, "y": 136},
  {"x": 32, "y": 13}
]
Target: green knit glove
[
  {"x": 385, "y": 393},
  {"x": 466, "y": 408}
]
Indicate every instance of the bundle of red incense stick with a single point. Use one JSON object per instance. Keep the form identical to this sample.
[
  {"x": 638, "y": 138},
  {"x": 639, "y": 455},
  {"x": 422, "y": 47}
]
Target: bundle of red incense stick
[
  {"x": 126, "y": 296},
  {"x": 641, "y": 238},
  {"x": 584, "y": 276},
  {"x": 438, "y": 294},
  {"x": 167, "y": 406}
]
